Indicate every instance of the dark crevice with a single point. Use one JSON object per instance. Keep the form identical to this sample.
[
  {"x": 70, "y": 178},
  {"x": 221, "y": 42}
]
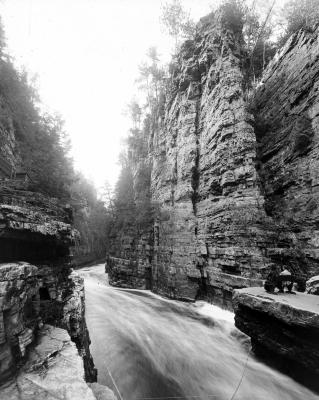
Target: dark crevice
[{"x": 195, "y": 174}]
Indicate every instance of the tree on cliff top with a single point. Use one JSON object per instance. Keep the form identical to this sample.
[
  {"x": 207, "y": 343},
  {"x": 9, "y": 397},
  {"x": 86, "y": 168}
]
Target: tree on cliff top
[
  {"x": 300, "y": 14},
  {"x": 177, "y": 21},
  {"x": 151, "y": 81}
]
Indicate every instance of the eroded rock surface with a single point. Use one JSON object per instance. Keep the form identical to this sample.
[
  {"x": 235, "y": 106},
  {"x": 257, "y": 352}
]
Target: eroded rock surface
[
  {"x": 42, "y": 288},
  {"x": 54, "y": 370},
  {"x": 283, "y": 328},
  {"x": 19, "y": 314},
  {"x": 286, "y": 112}
]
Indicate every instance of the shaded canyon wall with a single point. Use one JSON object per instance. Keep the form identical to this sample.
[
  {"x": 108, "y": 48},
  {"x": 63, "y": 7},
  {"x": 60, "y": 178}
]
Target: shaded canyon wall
[{"x": 37, "y": 284}]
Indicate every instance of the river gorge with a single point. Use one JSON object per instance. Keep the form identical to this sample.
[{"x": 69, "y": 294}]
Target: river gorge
[
  {"x": 155, "y": 348},
  {"x": 194, "y": 272}
]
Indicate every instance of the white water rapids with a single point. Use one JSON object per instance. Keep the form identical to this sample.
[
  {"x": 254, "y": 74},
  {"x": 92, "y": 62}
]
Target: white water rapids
[{"x": 156, "y": 348}]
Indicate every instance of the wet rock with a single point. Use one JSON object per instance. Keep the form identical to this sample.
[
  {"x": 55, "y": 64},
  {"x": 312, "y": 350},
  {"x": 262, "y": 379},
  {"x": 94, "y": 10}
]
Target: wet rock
[
  {"x": 19, "y": 314},
  {"x": 283, "y": 329},
  {"x": 38, "y": 229},
  {"x": 102, "y": 392},
  {"x": 54, "y": 370},
  {"x": 312, "y": 285}
]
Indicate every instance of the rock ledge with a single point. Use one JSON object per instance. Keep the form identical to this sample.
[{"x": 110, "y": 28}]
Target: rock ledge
[{"x": 284, "y": 330}]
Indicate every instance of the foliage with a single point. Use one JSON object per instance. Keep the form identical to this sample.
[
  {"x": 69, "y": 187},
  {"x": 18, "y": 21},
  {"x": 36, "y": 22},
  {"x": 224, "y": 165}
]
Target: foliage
[
  {"x": 41, "y": 138},
  {"x": 44, "y": 148},
  {"x": 299, "y": 14},
  {"x": 233, "y": 12},
  {"x": 177, "y": 21},
  {"x": 45, "y": 156},
  {"x": 91, "y": 219},
  {"x": 152, "y": 80},
  {"x": 132, "y": 204},
  {"x": 135, "y": 112}
]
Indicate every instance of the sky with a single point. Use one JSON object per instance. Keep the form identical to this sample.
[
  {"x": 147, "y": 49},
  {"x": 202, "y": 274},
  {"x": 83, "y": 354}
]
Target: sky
[{"x": 85, "y": 54}]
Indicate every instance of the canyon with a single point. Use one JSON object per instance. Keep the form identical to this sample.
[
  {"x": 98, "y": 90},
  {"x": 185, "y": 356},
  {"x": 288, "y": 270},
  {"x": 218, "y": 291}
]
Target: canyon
[
  {"x": 233, "y": 176},
  {"x": 232, "y": 173}
]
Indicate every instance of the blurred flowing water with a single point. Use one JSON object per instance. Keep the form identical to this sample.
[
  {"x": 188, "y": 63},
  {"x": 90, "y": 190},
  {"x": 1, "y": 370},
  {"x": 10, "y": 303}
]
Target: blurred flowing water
[{"x": 162, "y": 349}]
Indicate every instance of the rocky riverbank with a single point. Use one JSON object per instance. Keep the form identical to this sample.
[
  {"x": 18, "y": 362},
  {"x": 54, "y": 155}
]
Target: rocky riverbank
[
  {"x": 53, "y": 370},
  {"x": 283, "y": 328},
  {"x": 41, "y": 289}
]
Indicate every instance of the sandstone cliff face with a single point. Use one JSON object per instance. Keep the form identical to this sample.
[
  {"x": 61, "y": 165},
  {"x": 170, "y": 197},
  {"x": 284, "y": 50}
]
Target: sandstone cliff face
[
  {"x": 286, "y": 111},
  {"x": 204, "y": 172},
  {"x": 35, "y": 275},
  {"x": 235, "y": 175},
  {"x": 19, "y": 314}
]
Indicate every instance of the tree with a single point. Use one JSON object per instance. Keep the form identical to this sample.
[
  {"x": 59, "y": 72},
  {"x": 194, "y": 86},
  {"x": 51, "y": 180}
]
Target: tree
[
  {"x": 41, "y": 140},
  {"x": 108, "y": 198},
  {"x": 300, "y": 14},
  {"x": 262, "y": 49},
  {"x": 234, "y": 12},
  {"x": 134, "y": 110},
  {"x": 254, "y": 22},
  {"x": 91, "y": 219},
  {"x": 177, "y": 21},
  {"x": 152, "y": 80}
]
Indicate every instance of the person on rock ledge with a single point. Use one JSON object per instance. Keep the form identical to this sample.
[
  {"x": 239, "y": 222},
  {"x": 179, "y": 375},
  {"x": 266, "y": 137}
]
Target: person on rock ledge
[{"x": 282, "y": 280}]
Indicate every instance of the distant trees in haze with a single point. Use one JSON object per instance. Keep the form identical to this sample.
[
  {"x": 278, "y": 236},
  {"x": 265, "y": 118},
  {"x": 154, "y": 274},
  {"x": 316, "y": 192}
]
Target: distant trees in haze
[
  {"x": 91, "y": 219},
  {"x": 44, "y": 147}
]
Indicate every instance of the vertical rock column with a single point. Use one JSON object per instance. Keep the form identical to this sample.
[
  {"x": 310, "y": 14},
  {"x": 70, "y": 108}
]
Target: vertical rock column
[{"x": 211, "y": 228}]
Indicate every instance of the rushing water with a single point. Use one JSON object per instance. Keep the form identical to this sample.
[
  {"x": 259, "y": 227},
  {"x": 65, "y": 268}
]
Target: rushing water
[{"x": 158, "y": 348}]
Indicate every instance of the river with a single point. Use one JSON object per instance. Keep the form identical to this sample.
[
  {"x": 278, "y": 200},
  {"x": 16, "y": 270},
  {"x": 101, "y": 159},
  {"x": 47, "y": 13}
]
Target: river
[{"x": 148, "y": 347}]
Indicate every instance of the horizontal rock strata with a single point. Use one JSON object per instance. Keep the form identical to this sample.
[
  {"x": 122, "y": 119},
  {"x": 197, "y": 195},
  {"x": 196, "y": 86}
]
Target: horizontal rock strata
[
  {"x": 41, "y": 288},
  {"x": 234, "y": 174},
  {"x": 19, "y": 314}
]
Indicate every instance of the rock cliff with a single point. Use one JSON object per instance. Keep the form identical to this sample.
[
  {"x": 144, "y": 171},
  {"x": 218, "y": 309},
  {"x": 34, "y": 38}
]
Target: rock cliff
[
  {"x": 286, "y": 120},
  {"x": 234, "y": 172},
  {"x": 36, "y": 230},
  {"x": 37, "y": 284}
]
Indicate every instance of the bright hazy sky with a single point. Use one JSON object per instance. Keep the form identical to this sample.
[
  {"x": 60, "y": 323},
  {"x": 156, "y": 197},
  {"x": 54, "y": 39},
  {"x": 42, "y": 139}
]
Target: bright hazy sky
[{"x": 86, "y": 54}]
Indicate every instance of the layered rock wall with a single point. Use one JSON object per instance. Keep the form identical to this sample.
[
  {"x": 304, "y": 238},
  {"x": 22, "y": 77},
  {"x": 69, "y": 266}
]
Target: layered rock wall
[
  {"x": 234, "y": 172},
  {"x": 204, "y": 172},
  {"x": 37, "y": 283},
  {"x": 286, "y": 114}
]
